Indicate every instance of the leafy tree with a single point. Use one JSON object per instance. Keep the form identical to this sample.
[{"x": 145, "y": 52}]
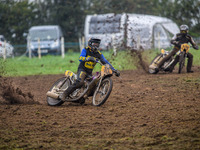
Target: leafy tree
[
  {"x": 188, "y": 12},
  {"x": 119, "y": 6},
  {"x": 15, "y": 19},
  {"x": 69, "y": 15},
  {"x": 180, "y": 11}
]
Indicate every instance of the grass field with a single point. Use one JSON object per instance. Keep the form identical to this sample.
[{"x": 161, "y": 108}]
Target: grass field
[{"x": 22, "y": 66}]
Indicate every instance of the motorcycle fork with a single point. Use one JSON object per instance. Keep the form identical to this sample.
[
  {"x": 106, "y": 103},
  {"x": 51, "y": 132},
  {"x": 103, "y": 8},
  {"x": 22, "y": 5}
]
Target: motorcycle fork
[
  {"x": 59, "y": 86},
  {"x": 184, "y": 57},
  {"x": 169, "y": 64},
  {"x": 91, "y": 87},
  {"x": 99, "y": 83}
]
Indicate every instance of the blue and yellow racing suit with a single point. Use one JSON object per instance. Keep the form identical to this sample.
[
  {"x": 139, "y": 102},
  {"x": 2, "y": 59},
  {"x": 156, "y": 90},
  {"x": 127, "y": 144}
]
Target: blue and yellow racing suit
[
  {"x": 85, "y": 68},
  {"x": 88, "y": 66}
]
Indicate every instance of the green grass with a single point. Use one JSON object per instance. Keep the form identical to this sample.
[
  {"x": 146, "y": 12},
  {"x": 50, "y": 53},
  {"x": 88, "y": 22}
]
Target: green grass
[
  {"x": 150, "y": 54},
  {"x": 23, "y": 66},
  {"x": 196, "y": 56}
]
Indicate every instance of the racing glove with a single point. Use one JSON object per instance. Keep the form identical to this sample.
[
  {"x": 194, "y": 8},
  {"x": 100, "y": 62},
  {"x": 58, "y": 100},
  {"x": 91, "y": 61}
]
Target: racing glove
[
  {"x": 196, "y": 47},
  {"x": 117, "y": 73}
]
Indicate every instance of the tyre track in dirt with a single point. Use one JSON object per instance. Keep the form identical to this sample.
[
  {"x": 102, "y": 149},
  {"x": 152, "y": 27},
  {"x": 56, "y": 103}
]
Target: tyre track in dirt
[{"x": 144, "y": 111}]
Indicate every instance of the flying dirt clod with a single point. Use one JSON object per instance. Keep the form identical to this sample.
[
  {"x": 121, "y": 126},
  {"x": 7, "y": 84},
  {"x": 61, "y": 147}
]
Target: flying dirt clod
[{"x": 11, "y": 95}]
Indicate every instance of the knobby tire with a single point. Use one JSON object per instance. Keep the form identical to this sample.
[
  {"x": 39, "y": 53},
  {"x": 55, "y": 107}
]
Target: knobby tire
[
  {"x": 181, "y": 62},
  {"x": 105, "y": 81},
  {"x": 52, "y": 101}
]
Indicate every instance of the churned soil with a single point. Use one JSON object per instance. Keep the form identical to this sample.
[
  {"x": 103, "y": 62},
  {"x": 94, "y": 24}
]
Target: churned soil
[{"x": 144, "y": 111}]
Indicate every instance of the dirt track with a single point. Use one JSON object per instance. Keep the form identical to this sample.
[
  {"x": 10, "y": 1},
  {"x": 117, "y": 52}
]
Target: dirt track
[{"x": 143, "y": 112}]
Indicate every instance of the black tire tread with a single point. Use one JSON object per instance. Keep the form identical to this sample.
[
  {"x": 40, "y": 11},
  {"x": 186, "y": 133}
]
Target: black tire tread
[
  {"x": 108, "y": 93},
  {"x": 181, "y": 63},
  {"x": 52, "y": 101}
]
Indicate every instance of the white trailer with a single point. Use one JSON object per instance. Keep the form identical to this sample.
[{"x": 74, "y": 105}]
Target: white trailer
[{"x": 133, "y": 31}]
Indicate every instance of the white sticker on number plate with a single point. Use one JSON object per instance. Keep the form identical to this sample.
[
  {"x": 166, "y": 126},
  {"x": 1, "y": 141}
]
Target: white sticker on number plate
[{"x": 44, "y": 51}]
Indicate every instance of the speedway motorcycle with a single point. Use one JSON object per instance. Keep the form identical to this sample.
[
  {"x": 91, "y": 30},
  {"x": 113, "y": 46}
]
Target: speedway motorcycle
[
  {"x": 98, "y": 86},
  {"x": 182, "y": 55},
  {"x": 153, "y": 66}
]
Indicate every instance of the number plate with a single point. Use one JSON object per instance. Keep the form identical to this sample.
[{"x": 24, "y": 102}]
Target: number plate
[
  {"x": 44, "y": 51},
  {"x": 68, "y": 73}
]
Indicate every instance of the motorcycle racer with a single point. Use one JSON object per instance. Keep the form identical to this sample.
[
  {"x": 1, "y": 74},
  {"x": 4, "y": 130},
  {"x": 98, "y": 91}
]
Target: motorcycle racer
[
  {"x": 88, "y": 58},
  {"x": 177, "y": 40}
]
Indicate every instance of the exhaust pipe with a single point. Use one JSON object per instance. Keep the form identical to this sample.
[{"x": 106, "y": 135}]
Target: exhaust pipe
[{"x": 52, "y": 95}]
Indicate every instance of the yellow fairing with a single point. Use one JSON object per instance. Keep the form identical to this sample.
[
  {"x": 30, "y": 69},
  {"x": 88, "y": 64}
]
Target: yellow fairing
[
  {"x": 90, "y": 65},
  {"x": 68, "y": 73},
  {"x": 185, "y": 47},
  {"x": 105, "y": 70}
]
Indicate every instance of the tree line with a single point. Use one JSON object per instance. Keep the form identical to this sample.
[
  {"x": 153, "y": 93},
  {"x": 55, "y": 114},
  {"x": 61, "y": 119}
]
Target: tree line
[{"x": 17, "y": 16}]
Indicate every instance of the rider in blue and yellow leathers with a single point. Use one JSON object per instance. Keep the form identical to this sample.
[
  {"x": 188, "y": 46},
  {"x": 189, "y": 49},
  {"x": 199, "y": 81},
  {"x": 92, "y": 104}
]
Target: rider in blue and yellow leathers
[{"x": 87, "y": 59}]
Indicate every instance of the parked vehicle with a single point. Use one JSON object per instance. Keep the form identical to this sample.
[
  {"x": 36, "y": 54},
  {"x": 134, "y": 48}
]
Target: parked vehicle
[
  {"x": 99, "y": 86},
  {"x": 47, "y": 37},
  {"x": 134, "y": 31},
  {"x": 5, "y": 47}
]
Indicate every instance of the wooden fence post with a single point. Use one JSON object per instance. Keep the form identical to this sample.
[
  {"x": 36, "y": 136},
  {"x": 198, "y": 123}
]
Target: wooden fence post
[
  {"x": 4, "y": 54},
  {"x": 114, "y": 44},
  {"x": 39, "y": 50},
  {"x": 62, "y": 47},
  {"x": 158, "y": 41},
  {"x": 29, "y": 47},
  {"x": 138, "y": 42}
]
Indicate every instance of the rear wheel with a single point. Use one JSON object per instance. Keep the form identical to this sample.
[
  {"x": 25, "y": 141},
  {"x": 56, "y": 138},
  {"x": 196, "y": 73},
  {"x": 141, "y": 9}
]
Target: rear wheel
[
  {"x": 101, "y": 95},
  {"x": 154, "y": 70},
  {"x": 181, "y": 62},
  {"x": 58, "y": 90}
]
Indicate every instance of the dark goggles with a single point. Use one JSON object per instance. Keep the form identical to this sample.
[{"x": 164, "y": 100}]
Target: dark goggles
[
  {"x": 95, "y": 44},
  {"x": 183, "y": 31}
]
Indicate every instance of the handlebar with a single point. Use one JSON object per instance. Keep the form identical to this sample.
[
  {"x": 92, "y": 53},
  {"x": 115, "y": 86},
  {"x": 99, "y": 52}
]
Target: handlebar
[
  {"x": 98, "y": 61},
  {"x": 114, "y": 71}
]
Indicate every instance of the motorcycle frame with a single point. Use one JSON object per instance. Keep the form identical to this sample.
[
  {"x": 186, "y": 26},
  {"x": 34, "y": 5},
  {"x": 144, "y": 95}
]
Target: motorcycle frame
[{"x": 95, "y": 83}]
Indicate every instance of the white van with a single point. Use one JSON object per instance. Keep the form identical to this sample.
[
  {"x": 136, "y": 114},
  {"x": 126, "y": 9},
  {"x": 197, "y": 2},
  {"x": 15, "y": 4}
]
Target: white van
[
  {"x": 49, "y": 39},
  {"x": 135, "y": 31}
]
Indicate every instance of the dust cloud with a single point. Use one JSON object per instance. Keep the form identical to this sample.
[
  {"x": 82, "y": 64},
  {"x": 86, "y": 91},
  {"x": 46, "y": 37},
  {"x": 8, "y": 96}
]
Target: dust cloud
[
  {"x": 139, "y": 60},
  {"x": 13, "y": 95},
  {"x": 9, "y": 94}
]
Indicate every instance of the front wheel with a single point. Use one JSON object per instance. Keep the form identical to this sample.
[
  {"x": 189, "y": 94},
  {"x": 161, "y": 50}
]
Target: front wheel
[
  {"x": 101, "y": 95},
  {"x": 181, "y": 62}
]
